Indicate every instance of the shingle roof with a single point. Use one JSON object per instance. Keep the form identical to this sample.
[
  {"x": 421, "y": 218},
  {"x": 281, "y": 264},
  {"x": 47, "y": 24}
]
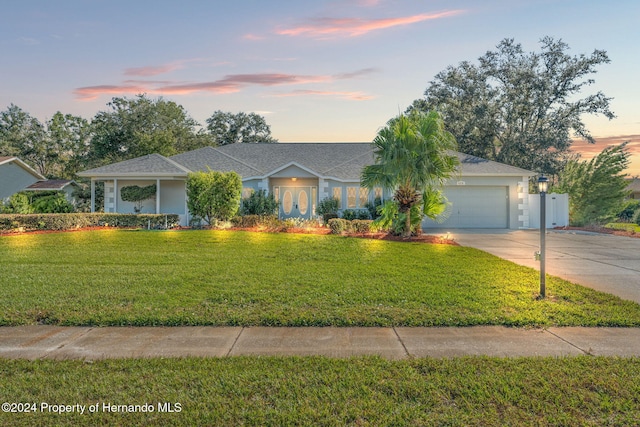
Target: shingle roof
[
  {"x": 151, "y": 164},
  {"x": 342, "y": 161},
  {"x": 472, "y": 165},
  {"x": 634, "y": 185},
  {"x": 51, "y": 184}
]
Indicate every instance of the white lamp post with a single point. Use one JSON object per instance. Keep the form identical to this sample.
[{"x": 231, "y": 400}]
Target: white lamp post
[{"x": 543, "y": 185}]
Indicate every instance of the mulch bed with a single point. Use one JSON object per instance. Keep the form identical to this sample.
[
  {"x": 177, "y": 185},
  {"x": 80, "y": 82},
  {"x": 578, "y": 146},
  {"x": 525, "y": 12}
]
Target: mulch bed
[{"x": 602, "y": 230}]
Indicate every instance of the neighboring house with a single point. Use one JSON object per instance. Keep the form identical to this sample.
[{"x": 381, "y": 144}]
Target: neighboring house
[
  {"x": 634, "y": 188},
  {"x": 15, "y": 176},
  {"x": 484, "y": 194},
  {"x": 63, "y": 185}
]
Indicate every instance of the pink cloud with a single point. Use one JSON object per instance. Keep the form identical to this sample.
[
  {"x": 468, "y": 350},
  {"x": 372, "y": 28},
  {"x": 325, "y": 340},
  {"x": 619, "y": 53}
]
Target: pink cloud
[
  {"x": 90, "y": 93},
  {"x": 150, "y": 70},
  {"x": 355, "y": 96},
  {"x": 353, "y": 27},
  {"x": 228, "y": 84},
  {"x": 252, "y": 37}
]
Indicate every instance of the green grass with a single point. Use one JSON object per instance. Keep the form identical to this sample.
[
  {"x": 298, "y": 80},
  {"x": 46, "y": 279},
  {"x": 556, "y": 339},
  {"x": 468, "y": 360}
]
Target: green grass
[
  {"x": 119, "y": 277},
  {"x": 624, "y": 226},
  {"x": 578, "y": 391}
]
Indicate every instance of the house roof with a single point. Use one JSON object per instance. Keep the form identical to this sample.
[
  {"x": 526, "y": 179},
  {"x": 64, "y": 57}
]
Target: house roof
[
  {"x": 343, "y": 161},
  {"x": 634, "y": 185},
  {"x": 477, "y": 166},
  {"x": 149, "y": 165},
  {"x": 50, "y": 185},
  {"x": 23, "y": 165}
]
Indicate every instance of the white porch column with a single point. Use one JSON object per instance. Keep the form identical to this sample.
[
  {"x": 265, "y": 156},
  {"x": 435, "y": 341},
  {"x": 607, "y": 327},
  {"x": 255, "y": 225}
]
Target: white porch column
[
  {"x": 158, "y": 195},
  {"x": 115, "y": 195},
  {"x": 523, "y": 203},
  {"x": 93, "y": 195}
]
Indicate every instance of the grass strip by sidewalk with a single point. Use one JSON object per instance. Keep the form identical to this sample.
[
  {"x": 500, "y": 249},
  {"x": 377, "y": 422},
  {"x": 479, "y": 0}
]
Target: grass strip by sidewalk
[
  {"x": 119, "y": 277},
  {"x": 572, "y": 391}
]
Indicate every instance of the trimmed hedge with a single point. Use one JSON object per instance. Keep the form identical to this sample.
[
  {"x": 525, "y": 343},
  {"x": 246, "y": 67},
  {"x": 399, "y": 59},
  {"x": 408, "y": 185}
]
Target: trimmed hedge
[
  {"x": 70, "y": 221},
  {"x": 341, "y": 225}
]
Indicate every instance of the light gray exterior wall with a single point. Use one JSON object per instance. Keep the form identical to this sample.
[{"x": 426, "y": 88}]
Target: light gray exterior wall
[
  {"x": 148, "y": 206},
  {"x": 14, "y": 179},
  {"x": 173, "y": 197}
]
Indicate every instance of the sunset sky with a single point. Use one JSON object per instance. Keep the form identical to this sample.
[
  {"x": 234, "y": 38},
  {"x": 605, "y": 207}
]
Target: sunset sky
[{"x": 317, "y": 70}]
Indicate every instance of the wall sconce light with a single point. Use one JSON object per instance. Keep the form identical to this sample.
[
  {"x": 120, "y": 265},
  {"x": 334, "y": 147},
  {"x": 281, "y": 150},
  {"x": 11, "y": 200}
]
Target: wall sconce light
[{"x": 294, "y": 179}]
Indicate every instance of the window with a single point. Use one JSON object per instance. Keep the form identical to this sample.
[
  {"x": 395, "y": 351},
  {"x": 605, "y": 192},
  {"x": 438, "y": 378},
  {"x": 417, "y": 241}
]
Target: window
[
  {"x": 351, "y": 197},
  {"x": 364, "y": 196},
  {"x": 337, "y": 194},
  {"x": 377, "y": 193},
  {"x": 246, "y": 192},
  {"x": 314, "y": 198}
]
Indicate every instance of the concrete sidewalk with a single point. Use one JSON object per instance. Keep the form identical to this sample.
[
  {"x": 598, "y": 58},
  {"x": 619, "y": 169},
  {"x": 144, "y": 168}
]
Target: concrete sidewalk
[{"x": 92, "y": 343}]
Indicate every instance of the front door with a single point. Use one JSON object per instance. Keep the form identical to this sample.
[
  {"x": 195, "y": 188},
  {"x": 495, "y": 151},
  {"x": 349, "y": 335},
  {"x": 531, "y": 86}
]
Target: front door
[{"x": 295, "y": 202}]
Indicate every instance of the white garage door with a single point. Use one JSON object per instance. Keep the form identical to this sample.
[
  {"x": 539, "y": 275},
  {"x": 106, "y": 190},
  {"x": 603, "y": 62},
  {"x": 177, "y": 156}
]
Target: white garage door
[{"x": 475, "y": 207}]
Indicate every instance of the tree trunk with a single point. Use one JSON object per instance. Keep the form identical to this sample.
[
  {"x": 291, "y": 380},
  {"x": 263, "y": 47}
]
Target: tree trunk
[{"x": 407, "y": 224}]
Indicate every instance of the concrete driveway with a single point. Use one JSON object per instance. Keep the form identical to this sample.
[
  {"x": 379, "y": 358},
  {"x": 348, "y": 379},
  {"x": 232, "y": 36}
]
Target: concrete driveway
[{"x": 603, "y": 262}]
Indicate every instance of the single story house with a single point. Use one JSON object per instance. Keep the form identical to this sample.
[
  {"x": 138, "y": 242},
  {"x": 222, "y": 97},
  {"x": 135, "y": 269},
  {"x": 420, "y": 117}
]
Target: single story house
[
  {"x": 65, "y": 186},
  {"x": 15, "y": 176},
  {"x": 634, "y": 188},
  {"x": 484, "y": 194}
]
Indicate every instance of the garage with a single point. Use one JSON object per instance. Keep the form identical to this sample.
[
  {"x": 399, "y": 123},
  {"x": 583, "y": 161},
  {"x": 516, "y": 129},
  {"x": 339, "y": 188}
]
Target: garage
[{"x": 475, "y": 207}]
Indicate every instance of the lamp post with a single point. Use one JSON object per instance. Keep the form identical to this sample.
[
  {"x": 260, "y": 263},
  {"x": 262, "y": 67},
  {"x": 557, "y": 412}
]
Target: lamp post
[{"x": 543, "y": 185}]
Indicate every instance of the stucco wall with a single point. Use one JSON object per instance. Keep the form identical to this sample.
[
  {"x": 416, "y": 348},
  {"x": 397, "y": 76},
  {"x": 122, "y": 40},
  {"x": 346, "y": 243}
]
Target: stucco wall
[{"x": 13, "y": 179}]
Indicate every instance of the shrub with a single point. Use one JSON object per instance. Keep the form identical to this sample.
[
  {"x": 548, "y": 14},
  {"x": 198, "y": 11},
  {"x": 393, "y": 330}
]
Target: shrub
[
  {"x": 246, "y": 221},
  {"x": 328, "y": 208},
  {"x": 18, "y": 203},
  {"x": 259, "y": 203},
  {"x": 373, "y": 208},
  {"x": 214, "y": 195},
  {"x": 363, "y": 214},
  {"x": 54, "y": 203},
  {"x": 349, "y": 214},
  {"x": 72, "y": 221},
  {"x": 636, "y": 217},
  {"x": 628, "y": 210},
  {"x": 339, "y": 225},
  {"x": 328, "y": 216},
  {"x": 361, "y": 225}
]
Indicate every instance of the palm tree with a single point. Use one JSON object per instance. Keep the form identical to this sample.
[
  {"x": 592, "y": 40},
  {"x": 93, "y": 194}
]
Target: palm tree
[{"x": 412, "y": 157}]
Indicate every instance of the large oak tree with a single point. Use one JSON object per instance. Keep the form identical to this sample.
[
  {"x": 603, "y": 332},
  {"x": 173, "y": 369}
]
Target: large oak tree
[{"x": 519, "y": 108}]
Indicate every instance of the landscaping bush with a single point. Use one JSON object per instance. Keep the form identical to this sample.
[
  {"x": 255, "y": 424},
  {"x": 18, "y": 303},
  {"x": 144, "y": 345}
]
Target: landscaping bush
[
  {"x": 349, "y": 214},
  {"x": 628, "y": 210},
  {"x": 363, "y": 214},
  {"x": 636, "y": 217},
  {"x": 339, "y": 225},
  {"x": 329, "y": 216},
  {"x": 71, "y": 221},
  {"x": 53, "y": 203},
  {"x": 372, "y": 207},
  {"x": 259, "y": 203},
  {"x": 328, "y": 208},
  {"x": 361, "y": 225},
  {"x": 246, "y": 221}
]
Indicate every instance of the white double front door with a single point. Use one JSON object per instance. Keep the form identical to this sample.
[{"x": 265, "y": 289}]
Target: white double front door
[{"x": 295, "y": 202}]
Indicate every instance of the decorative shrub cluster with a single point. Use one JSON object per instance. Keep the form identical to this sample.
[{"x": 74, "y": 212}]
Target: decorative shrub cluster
[
  {"x": 70, "y": 221},
  {"x": 341, "y": 225}
]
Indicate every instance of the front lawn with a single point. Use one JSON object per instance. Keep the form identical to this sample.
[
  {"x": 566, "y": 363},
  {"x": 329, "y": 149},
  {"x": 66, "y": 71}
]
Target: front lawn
[
  {"x": 125, "y": 277},
  {"x": 576, "y": 391}
]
